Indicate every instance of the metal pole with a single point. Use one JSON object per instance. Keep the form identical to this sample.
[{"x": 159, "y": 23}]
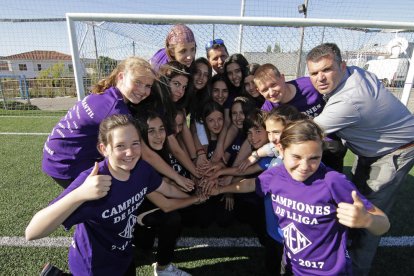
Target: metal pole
[
  {"x": 302, "y": 34},
  {"x": 323, "y": 34},
  {"x": 2, "y": 94},
  {"x": 26, "y": 89},
  {"x": 77, "y": 66},
  {"x": 237, "y": 20},
  {"x": 243, "y": 6},
  {"x": 21, "y": 87},
  {"x": 96, "y": 51},
  {"x": 408, "y": 82}
]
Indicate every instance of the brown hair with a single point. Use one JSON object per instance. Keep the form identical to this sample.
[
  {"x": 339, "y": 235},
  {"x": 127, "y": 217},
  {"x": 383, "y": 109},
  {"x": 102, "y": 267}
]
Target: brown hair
[
  {"x": 246, "y": 103},
  {"x": 324, "y": 50},
  {"x": 254, "y": 120},
  {"x": 172, "y": 69},
  {"x": 138, "y": 66},
  {"x": 240, "y": 60},
  {"x": 251, "y": 68},
  {"x": 297, "y": 132},
  {"x": 264, "y": 72},
  {"x": 202, "y": 60},
  {"x": 284, "y": 113},
  {"x": 215, "y": 47}
]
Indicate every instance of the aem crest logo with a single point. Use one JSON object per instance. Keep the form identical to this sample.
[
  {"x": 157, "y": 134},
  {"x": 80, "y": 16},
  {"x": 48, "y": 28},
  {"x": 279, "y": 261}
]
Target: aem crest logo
[
  {"x": 294, "y": 239},
  {"x": 129, "y": 228}
]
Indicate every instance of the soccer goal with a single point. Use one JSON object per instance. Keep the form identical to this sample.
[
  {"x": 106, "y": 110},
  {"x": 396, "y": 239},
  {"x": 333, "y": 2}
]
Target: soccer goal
[{"x": 98, "y": 41}]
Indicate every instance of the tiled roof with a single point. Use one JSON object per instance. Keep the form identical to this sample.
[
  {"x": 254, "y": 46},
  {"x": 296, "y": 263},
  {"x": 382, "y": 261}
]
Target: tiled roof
[{"x": 39, "y": 55}]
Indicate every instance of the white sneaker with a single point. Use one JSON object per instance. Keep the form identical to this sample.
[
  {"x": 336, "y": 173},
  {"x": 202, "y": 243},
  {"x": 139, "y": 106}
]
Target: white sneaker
[{"x": 170, "y": 270}]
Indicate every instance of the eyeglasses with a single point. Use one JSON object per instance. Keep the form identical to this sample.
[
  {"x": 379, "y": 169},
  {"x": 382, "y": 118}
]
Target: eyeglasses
[{"x": 211, "y": 43}]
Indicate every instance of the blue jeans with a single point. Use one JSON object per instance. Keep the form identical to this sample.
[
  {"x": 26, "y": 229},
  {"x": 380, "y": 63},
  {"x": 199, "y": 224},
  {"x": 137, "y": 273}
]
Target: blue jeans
[{"x": 379, "y": 179}]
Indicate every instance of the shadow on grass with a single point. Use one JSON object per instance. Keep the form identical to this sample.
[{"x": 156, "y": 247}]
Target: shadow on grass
[
  {"x": 401, "y": 216},
  {"x": 393, "y": 261},
  {"x": 213, "y": 261},
  {"x": 398, "y": 260}
]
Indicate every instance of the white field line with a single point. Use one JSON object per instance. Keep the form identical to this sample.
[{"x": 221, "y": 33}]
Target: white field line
[
  {"x": 24, "y": 133},
  {"x": 403, "y": 241},
  {"x": 31, "y": 116}
]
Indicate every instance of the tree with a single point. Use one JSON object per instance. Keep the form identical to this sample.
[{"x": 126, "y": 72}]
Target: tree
[
  {"x": 277, "y": 48},
  {"x": 53, "y": 74},
  {"x": 106, "y": 65},
  {"x": 269, "y": 49}
]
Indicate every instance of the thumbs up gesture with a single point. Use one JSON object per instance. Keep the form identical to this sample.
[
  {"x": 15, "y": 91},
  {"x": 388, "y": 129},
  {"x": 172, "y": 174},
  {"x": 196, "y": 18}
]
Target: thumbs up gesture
[
  {"x": 95, "y": 186},
  {"x": 353, "y": 215}
]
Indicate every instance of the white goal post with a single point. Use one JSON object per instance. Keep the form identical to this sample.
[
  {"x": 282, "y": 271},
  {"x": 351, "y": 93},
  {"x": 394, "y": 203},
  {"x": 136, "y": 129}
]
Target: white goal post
[{"x": 117, "y": 36}]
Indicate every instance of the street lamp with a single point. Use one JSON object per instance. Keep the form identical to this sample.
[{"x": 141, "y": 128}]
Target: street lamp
[{"x": 302, "y": 8}]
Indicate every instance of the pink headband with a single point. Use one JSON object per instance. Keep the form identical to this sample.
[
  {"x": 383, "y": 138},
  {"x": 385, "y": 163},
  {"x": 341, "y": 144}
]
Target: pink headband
[{"x": 180, "y": 34}]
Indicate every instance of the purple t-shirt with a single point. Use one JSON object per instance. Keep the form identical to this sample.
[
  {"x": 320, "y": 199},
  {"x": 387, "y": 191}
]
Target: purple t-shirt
[
  {"x": 307, "y": 99},
  {"x": 71, "y": 146},
  {"x": 315, "y": 242},
  {"x": 233, "y": 93},
  {"x": 177, "y": 166},
  {"x": 102, "y": 241},
  {"x": 158, "y": 59},
  {"x": 212, "y": 144},
  {"x": 234, "y": 148}
]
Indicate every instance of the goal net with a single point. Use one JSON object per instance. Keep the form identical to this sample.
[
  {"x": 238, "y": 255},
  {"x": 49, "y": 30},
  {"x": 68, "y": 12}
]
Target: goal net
[{"x": 99, "y": 41}]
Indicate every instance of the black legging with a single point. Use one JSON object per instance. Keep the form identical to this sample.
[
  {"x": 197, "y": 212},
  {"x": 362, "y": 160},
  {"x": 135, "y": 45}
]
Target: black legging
[
  {"x": 64, "y": 183},
  {"x": 249, "y": 209},
  {"x": 165, "y": 226}
]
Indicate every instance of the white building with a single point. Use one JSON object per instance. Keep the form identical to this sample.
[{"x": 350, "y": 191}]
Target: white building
[{"x": 31, "y": 63}]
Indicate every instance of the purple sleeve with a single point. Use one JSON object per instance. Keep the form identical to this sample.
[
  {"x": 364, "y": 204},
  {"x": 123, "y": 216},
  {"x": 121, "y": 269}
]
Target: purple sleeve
[
  {"x": 71, "y": 147},
  {"x": 268, "y": 106},
  {"x": 341, "y": 189},
  {"x": 152, "y": 178},
  {"x": 109, "y": 103},
  {"x": 158, "y": 59},
  {"x": 264, "y": 180}
]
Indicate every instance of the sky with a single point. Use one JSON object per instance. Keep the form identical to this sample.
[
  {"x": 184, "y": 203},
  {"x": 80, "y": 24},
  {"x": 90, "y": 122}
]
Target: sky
[
  {"x": 20, "y": 37},
  {"x": 399, "y": 10}
]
